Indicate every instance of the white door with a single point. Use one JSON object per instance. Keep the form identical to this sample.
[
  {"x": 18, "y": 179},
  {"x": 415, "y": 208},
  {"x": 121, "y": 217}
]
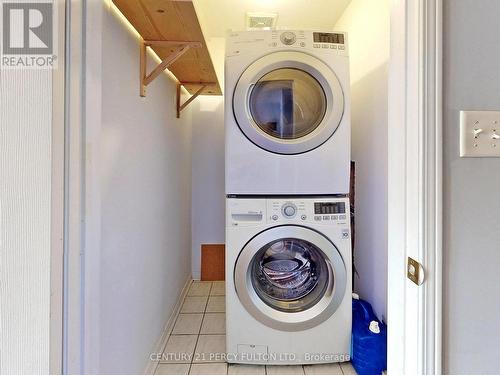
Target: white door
[
  {"x": 288, "y": 102},
  {"x": 290, "y": 277}
]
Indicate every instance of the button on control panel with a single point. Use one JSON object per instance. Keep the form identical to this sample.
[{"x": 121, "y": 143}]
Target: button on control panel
[{"x": 329, "y": 217}]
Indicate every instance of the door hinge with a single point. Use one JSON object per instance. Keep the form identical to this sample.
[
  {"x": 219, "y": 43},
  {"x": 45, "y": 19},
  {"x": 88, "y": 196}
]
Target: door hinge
[{"x": 415, "y": 271}]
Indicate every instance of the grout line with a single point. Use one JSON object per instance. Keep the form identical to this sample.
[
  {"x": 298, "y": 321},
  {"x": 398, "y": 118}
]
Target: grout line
[
  {"x": 206, "y": 304},
  {"x": 192, "y": 313},
  {"x": 199, "y": 333}
]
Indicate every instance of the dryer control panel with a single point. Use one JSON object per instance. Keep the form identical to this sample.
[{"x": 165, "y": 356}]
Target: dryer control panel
[{"x": 320, "y": 42}]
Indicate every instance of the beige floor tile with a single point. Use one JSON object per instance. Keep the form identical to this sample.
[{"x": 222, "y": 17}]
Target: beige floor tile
[
  {"x": 214, "y": 323},
  {"x": 218, "y": 288},
  {"x": 210, "y": 348},
  {"x": 216, "y": 304},
  {"x": 179, "y": 349},
  {"x": 246, "y": 370},
  {"x": 329, "y": 369},
  {"x": 199, "y": 288},
  {"x": 187, "y": 324},
  {"x": 172, "y": 369},
  {"x": 284, "y": 370},
  {"x": 208, "y": 369},
  {"x": 194, "y": 304},
  {"x": 347, "y": 368}
]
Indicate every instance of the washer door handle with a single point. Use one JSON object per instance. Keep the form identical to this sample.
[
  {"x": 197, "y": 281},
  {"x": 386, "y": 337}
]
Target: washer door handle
[{"x": 331, "y": 278}]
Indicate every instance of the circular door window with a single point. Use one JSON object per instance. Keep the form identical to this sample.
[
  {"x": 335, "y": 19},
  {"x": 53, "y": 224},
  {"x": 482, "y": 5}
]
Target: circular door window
[
  {"x": 290, "y": 274},
  {"x": 288, "y": 102},
  {"x": 290, "y": 277}
]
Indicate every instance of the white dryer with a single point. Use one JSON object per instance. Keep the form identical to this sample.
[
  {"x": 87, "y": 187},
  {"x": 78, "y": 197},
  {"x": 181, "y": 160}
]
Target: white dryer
[
  {"x": 287, "y": 113},
  {"x": 288, "y": 280}
]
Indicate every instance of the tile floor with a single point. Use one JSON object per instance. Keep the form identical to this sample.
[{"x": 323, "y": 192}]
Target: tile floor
[{"x": 199, "y": 337}]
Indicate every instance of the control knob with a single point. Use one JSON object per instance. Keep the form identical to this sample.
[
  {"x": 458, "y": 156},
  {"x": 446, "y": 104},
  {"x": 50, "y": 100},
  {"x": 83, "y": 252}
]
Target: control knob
[
  {"x": 288, "y": 38},
  {"x": 289, "y": 210}
]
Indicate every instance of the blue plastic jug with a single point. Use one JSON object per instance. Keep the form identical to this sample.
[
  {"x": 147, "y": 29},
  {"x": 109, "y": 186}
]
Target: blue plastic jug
[{"x": 369, "y": 340}]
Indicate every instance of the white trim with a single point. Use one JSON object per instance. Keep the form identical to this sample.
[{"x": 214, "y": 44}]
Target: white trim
[
  {"x": 415, "y": 187},
  {"x": 92, "y": 120},
  {"x": 169, "y": 326},
  {"x": 73, "y": 190},
  {"x": 57, "y": 202},
  {"x": 82, "y": 188},
  {"x": 432, "y": 335}
]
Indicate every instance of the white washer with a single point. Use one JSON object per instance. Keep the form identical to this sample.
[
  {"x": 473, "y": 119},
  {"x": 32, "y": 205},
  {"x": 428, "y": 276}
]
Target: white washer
[
  {"x": 287, "y": 113},
  {"x": 288, "y": 280}
]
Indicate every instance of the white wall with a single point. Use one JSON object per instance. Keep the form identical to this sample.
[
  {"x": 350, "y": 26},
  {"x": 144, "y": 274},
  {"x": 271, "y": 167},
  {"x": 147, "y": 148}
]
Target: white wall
[
  {"x": 208, "y": 194},
  {"x": 367, "y": 23},
  {"x": 146, "y": 212},
  {"x": 471, "y": 188},
  {"x": 208, "y": 197},
  {"x": 25, "y": 221}
]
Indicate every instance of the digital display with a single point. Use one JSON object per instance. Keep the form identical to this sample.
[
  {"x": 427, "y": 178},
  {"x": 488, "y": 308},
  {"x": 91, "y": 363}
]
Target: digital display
[
  {"x": 328, "y": 38},
  {"x": 328, "y": 208}
]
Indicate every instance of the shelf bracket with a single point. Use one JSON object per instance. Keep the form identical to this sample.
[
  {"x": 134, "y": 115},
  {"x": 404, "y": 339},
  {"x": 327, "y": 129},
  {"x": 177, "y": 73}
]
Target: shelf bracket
[
  {"x": 179, "y": 48},
  {"x": 180, "y": 106}
]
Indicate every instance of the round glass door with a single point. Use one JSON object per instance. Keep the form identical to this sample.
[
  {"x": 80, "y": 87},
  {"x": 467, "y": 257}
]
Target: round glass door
[
  {"x": 290, "y": 274},
  {"x": 288, "y": 102},
  {"x": 290, "y": 277}
]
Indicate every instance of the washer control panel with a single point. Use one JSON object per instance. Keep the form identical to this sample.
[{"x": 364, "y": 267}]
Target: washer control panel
[{"x": 318, "y": 211}]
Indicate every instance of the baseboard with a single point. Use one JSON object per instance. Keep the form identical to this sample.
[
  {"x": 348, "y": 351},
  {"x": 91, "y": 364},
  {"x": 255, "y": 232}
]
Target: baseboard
[{"x": 162, "y": 342}]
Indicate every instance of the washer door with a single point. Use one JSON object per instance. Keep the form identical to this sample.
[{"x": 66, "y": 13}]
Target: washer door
[
  {"x": 290, "y": 278},
  {"x": 288, "y": 102}
]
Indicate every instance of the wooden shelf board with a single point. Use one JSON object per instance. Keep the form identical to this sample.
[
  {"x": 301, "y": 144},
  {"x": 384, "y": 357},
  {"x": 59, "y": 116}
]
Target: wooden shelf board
[{"x": 174, "y": 21}]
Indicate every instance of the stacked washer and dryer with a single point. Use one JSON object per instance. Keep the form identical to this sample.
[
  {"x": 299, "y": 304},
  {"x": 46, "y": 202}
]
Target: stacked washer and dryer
[{"x": 288, "y": 247}]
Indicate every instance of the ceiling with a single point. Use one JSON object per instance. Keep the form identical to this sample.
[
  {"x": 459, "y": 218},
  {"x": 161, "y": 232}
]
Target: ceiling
[{"x": 218, "y": 16}]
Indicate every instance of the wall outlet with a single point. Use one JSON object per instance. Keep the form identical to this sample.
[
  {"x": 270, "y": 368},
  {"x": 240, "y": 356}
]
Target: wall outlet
[{"x": 479, "y": 134}]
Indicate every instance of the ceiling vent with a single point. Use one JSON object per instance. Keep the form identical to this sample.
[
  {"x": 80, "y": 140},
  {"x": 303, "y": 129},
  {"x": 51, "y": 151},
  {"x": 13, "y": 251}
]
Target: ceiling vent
[{"x": 261, "y": 21}]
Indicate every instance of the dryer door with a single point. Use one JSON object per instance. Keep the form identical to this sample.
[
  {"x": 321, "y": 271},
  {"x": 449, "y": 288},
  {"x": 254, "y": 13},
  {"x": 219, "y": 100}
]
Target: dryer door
[
  {"x": 288, "y": 102},
  {"x": 290, "y": 277}
]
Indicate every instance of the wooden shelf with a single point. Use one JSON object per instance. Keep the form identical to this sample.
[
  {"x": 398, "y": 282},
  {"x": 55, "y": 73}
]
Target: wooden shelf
[{"x": 175, "y": 23}]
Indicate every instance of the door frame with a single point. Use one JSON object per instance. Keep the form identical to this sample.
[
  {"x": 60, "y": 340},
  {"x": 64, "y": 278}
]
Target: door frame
[
  {"x": 414, "y": 187},
  {"x": 82, "y": 210}
]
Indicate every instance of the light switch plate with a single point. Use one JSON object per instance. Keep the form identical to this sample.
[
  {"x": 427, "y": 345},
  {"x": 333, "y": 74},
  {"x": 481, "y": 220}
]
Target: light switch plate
[{"x": 479, "y": 134}]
